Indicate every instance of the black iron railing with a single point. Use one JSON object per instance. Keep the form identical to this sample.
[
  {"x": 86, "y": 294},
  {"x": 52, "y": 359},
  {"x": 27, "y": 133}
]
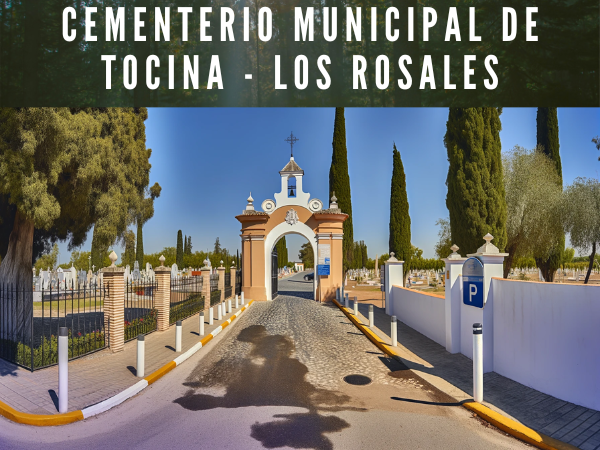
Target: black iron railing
[
  {"x": 141, "y": 316},
  {"x": 228, "y": 288},
  {"x": 30, "y": 319},
  {"x": 238, "y": 281},
  {"x": 215, "y": 293},
  {"x": 187, "y": 298}
]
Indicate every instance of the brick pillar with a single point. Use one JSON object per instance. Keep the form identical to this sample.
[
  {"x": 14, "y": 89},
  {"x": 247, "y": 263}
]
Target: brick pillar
[
  {"x": 206, "y": 286},
  {"x": 221, "y": 272},
  {"x": 162, "y": 298},
  {"x": 232, "y": 271},
  {"x": 114, "y": 305}
]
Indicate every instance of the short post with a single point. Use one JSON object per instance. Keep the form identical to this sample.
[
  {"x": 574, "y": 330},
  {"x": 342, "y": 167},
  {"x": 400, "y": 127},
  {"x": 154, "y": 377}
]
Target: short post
[
  {"x": 224, "y": 308},
  {"x": 346, "y": 300},
  {"x": 229, "y": 306},
  {"x": 211, "y": 316},
  {"x": 63, "y": 370},
  {"x": 337, "y": 294},
  {"x": 201, "y": 323},
  {"x": 242, "y": 298},
  {"x": 237, "y": 301},
  {"x": 355, "y": 306},
  {"x": 178, "y": 336},
  {"x": 219, "y": 312},
  {"x": 141, "y": 360},
  {"x": 371, "y": 317},
  {"x": 477, "y": 362},
  {"x": 394, "y": 333}
]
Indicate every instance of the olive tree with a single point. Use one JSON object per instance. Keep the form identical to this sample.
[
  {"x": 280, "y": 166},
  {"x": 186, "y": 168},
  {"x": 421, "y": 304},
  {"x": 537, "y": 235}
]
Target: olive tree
[
  {"x": 62, "y": 171},
  {"x": 581, "y": 217},
  {"x": 533, "y": 197}
]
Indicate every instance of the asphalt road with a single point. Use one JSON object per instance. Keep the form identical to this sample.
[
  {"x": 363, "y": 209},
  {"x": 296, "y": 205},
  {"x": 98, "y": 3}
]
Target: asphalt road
[{"x": 275, "y": 380}]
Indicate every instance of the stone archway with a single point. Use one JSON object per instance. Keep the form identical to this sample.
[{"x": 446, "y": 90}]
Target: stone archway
[{"x": 292, "y": 212}]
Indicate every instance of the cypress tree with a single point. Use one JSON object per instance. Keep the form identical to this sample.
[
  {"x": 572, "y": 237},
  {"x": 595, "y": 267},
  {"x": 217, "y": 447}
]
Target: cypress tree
[
  {"x": 339, "y": 182},
  {"x": 185, "y": 242},
  {"x": 399, "y": 215},
  {"x": 179, "y": 256},
  {"x": 365, "y": 256},
  {"x": 139, "y": 248},
  {"x": 128, "y": 256},
  {"x": 547, "y": 141},
  {"x": 475, "y": 199}
]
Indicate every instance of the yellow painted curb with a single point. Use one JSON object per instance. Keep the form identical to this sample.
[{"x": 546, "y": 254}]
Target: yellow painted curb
[
  {"x": 45, "y": 420},
  {"x": 507, "y": 425},
  {"x": 159, "y": 373},
  {"x": 39, "y": 420},
  {"x": 516, "y": 429}
]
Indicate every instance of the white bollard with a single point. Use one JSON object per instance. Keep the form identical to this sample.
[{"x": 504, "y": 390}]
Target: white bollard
[
  {"x": 178, "y": 336},
  {"x": 229, "y": 306},
  {"x": 477, "y": 363},
  {"x": 394, "y": 333},
  {"x": 211, "y": 316},
  {"x": 242, "y": 298},
  {"x": 346, "y": 300},
  {"x": 355, "y": 306},
  {"x": 371, "y": 317},
  {"x": 201, "y": 323},
  {"x": 141, "y": 359},
  {"x": 237, "y": 302},
  {"x": 219, "y": 312},
  {"x": 224, "y": 308},
  {"x": 63, "y": 370}
]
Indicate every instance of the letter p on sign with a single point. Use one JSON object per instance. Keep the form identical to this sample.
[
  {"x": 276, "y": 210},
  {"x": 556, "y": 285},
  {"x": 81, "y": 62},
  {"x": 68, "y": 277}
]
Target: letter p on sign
[{"x": 472, "y": 292}]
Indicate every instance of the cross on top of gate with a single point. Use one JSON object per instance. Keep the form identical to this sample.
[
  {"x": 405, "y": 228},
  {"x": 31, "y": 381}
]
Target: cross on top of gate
[{"x": 291, "y": 140}]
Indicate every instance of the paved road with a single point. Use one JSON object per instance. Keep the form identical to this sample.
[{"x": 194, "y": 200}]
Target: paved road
[{"x": 275, "y": 380}]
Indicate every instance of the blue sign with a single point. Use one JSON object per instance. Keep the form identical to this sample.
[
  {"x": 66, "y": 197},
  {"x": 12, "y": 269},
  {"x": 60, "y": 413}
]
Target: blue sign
[
  {"x": 323, "y": 269},
  {"x": 327, "y": 261},
  {"x": 472, "y": 274}
]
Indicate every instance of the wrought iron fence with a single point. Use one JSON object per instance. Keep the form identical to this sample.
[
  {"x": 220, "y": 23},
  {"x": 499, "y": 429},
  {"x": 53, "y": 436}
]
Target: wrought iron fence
[
  {"x": 215, "y": 293},
  {"x": 238, "y": 281},
  {"x": 228, "y": 284},
  {"x": 187, "y": 298},
  {"x": 30, "y": 319},
  {"x": 141, "y": 317}
]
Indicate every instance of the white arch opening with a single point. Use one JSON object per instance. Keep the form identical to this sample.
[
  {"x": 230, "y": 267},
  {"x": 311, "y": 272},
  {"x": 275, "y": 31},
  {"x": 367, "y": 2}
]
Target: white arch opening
[{"x": 277, "y": 233}]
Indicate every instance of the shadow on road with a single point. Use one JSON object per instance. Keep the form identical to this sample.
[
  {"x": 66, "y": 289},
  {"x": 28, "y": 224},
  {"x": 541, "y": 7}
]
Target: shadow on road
[{"x": 269, "y": 376}]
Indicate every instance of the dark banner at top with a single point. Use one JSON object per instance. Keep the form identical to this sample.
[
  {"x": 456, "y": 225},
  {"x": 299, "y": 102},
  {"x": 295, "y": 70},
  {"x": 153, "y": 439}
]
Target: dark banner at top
[{"x": 299, "y": 53}]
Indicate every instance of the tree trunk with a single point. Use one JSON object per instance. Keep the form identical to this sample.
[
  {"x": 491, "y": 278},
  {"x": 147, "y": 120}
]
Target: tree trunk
[
  {"x": 508, "y": 263},
  {"x": 591, "y": 266},
  {"x": 16, "y": 279}
]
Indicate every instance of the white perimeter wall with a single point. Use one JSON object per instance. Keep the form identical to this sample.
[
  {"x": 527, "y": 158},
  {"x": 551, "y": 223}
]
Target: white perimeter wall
[
  {"x": 547, "y": 336},
  {"x": 422, "y": 312}
]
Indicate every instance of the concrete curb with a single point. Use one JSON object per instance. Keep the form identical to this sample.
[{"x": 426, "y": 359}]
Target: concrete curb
[
  {"x": 47, "y": 420},
  {"x": 507, "y": 425}
]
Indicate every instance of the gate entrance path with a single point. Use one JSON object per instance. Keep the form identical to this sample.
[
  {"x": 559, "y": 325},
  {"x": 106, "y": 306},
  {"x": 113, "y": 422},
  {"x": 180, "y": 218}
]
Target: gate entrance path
[{"x": 292, "y": 211}]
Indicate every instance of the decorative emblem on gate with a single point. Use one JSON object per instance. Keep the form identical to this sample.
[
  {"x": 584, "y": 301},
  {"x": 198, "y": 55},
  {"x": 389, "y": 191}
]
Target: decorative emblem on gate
[{"x": 291, "y": 217}]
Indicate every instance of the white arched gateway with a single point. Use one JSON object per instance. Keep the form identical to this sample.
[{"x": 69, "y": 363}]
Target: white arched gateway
[{"x": 291, "y": 212}]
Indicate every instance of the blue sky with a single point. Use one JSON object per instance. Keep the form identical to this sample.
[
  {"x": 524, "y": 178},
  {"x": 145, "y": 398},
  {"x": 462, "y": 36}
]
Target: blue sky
[{"x": 208, "y": 160}]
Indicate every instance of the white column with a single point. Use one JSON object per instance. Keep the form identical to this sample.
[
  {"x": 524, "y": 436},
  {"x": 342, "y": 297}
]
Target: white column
[
  {"x": 453, "y": 299},
  {"x": 394, "y": 276}
]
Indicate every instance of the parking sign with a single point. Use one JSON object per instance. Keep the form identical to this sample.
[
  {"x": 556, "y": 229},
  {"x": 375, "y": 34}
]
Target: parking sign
[{"x": 472, "y": 274}]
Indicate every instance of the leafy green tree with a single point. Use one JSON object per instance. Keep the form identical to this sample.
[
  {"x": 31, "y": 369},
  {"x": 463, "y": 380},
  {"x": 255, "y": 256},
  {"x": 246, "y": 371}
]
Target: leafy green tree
[
  {"x": 581, "y": 217},
  {"x": 179, "y": 258},
  {"x": 139, "y": 248},
  {"x": 365, "y": 256},
  {"x": 282, "y": 252},
  {"x": 128, "y": 257},
  {"x": 307, "y": 255},
  {"x": 144, "y": 214},
  {"x": 568, "y": 256},
  {"x": 533, "y": 196},
  {"x": 47, "y": 260},
  {"x": 189, "y": 246},
  {"x": 64, "y": 171},
  {"x": 217, "y": 249},
  {"x": 442, "y": 247},
  {"x": 547, "y": 141},
  {"x": 475, "y": 196},
  {"x": 339, "y": 183},
  {"x": 399, "y": 214}
]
